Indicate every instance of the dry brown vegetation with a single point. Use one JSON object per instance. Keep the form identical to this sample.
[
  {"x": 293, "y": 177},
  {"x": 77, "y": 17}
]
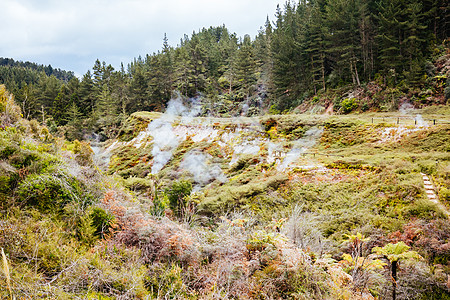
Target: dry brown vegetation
[{"x": 304, "y": 232}]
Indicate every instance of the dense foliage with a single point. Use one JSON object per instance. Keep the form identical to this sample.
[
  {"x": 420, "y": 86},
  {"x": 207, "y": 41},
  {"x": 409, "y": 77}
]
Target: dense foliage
[
  {"x": 311, "y": 50},
  {"x": 220, "y": 221}
]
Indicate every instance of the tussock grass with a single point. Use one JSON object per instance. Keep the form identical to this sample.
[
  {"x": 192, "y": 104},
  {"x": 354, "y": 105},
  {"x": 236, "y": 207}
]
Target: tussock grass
[{"x": 7, "y": 275}]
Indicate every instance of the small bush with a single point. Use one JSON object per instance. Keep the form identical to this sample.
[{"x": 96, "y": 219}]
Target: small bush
[
  {"x": 49, "y": 192},
  {"x": 166, "y": 282},
  {"x": 101, "y": 221},
  {"x": 86, "y": 230},
  {"x": 444, "y": 194},
  {"x": 423, "y": 209},
  {"x": 447, "y": 89},
  {"x": 348, "y": 105},
  {"x": 9, "y": 112},
  {"x": 428, "y": 167},
  {"x": 84, "y": 153},
  {"x": 136, "y": 183},
  {"x": 177, "y": 194}
]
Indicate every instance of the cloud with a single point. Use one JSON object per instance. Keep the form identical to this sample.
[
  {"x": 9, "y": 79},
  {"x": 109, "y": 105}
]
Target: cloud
[{"x": 72, "y": 34}]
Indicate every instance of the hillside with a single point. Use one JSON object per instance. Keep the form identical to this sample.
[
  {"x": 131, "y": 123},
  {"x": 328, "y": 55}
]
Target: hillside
[
  {"x": 311, "y": 161},
  {"x": 337, "y": 56},
  {"x": 279, "y": 206},
  {"x": 316, "y": 179}
]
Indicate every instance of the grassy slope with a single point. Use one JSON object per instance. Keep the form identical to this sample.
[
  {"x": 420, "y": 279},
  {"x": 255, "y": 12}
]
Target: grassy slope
[
  {"x": 69, "y": 232},
  {"x": 365, "y": 178}
]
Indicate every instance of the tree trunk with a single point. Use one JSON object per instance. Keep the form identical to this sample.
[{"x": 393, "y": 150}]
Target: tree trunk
[
  {"x": 356, "y": 72},
  {"x": 394, "y": 279},
  {"x": 323, "y": 71},
  {"x": 353, "y": 74}
]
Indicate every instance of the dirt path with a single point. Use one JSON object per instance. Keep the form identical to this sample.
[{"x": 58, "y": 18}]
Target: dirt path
[{"x": 429, "y": 189}]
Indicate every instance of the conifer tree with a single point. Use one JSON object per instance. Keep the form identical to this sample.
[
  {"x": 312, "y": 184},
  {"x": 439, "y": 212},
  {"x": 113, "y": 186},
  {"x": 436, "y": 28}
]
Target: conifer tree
[
  {"x": 60, "y": 106},
  {"x": 413, "y": 42},
  {"x": 343, "y": 17},
  {"x": 389, "y": 37},
  {"x": 315, "y": 44},
  {"x": 73, "y": 118},
  {"x": 86, "y": 92},
  {"x": 245, "y": 67},
  {"x": 138, "y": 89}
]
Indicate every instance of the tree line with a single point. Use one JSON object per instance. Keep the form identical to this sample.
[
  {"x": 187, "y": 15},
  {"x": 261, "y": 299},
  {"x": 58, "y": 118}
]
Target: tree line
[{"x": 309, "y": 48}]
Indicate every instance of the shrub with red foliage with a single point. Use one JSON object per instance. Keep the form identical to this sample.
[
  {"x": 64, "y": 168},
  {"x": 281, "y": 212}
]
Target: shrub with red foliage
[
  {"x": 156, "y": 239},
  {"x": 430, "y": 238}
]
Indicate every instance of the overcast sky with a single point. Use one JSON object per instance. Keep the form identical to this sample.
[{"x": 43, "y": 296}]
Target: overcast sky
[{"x": 72, "y": 34}]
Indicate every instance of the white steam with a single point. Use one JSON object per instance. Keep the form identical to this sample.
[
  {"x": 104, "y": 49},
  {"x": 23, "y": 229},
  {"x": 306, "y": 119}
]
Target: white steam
[
  {"x": 202, "y": 168},
  {"x": 164, "y": 142},
  {"x": 420, "y": 122},
  {"x": 300, "y": 146},
  {"x": 165, "y": 138},
  {"x": 408, "y": 108},
  {"x": 405, "y": 108}
]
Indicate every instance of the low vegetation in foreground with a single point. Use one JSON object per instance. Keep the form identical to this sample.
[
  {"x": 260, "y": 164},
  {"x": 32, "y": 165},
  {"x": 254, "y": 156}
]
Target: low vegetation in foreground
[{"x": 275, "y": 207}]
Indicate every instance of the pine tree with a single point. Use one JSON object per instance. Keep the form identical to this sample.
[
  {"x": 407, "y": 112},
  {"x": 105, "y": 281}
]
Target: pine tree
[
  {"x": 167, "y": 70},
  {"x": 343, "y": 18},
  {"x": 184, "y": 72},
  {"x": 315, "y": 46},
  {"x": 138, "y": 89},
  {"x": 86, "y": 92},
  {"x": 107, "y": 114},
  {"x": 290, "y": 64},
  {"x": 73, "y": 118},
  {"x": 413, "y": 42},
  {"x": 263, "y": 56},
  {"x": 390, "y": 37},
  {"x": 60, "y": 106},
  {"x": 245, "y": 67}
]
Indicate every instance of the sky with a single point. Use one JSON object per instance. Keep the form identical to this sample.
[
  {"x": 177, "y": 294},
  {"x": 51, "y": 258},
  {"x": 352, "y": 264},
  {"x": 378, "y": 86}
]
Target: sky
[{"x": 72, "y": 34}]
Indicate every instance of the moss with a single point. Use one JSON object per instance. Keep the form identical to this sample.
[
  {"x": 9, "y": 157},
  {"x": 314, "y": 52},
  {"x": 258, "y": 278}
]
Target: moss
[
  {"x": 244, "y": 162},
  {"x": 136, "y": 123},
  {"x": 101, "y": 220},
  {"x": 436, "y": 138},
  {"x": 138, "y": 184},
  {"x": 233, "y": 197},
  {"x": 50, "y": 192},
  {"x": 130, "y": 161},
  {"x": 355, "y": 165},
  {"x": 343, "y": 133},
  {"x": 290, "y": 127}
]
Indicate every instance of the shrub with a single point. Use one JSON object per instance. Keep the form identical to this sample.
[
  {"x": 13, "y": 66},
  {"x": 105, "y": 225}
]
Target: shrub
[
  {"x": 444, "y": 194},
  {"x": 447, "y": 89},
  {"x": 423, "y": 209},
  {"x": 8, "y": 177},
  {"x": 166, "y": 282},
  {"x": 101, "y": 221},
  {"x": 84, "y": 153},
  {"x": 177, "y": 194},
  {"x": 49, "y": 192},
  {"x": 86, "y": 230},
  {"x": 348, "y": 105},
  {"x": 9, "y": 111},
  {"x": 428, "y": 167}
]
